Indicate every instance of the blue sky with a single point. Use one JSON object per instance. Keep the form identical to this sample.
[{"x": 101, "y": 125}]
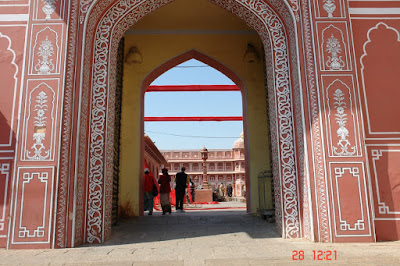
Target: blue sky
[{"x": 193, "y": 135}]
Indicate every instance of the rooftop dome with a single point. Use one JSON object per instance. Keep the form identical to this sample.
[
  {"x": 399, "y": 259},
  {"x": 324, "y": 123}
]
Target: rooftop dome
[{"x": 239, "y": 143}]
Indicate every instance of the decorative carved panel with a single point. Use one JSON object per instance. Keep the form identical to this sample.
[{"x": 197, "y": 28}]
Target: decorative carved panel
[
  {"x": 40, "y": 120},
  {"x": 385, "y": 173},
  {"x": 33, "y": 205},
  {"x": 380, "y": 80},
  {"x": 46, "y": 47},
  {"x": 48, "y": 10},
  {"x": 333, "y": 46},
  {"x": 341, "y": 114},
  {"x": 8, "y": 77},
  {"x": 349, "y": 200},
  {"x": 332, "y": 9}
]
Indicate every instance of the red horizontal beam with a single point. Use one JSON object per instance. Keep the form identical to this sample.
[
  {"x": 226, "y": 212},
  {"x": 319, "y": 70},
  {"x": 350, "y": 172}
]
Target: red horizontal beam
[
  {"x": 193, "y": 118},
  {"x": 192, "y": 88}
]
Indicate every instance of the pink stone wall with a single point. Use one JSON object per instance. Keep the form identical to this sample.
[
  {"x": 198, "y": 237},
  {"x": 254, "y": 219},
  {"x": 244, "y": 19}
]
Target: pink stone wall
[
  {"x": 377, "y": 54},
  {"x": 336, "y": 146}
]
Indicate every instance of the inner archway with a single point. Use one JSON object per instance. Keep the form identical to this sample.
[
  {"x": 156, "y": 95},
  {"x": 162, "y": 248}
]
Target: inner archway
[
  {"x": 96, "y": 160},
  {"x": 192, "y": 106},
  {"x": 254, "y": 125}
]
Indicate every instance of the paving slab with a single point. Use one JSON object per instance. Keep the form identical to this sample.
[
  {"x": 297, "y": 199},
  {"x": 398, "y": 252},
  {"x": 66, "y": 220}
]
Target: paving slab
[{"x": 206, "y": 237}]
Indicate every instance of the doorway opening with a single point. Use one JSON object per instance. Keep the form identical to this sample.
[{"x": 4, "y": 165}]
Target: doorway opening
[
  {"x": 220, "y": 42},
  {"x": 194, "y": 106},
  {"x": 229, "y": 47}
]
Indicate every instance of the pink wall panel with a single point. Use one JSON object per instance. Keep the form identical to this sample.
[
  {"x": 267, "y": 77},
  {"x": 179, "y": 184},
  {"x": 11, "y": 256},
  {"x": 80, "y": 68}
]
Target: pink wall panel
[
  {"x": 33, "y": 202},
  {"x": 377, "y": 50},
  {"x": 5, "y": 181},
  {"x": 348, "y": 212},
  {"x": 8, "y": 77},
  {"x": 385, "y": 180},
  {"x": 12, "y": 41},
  {"x": 11, "y": 64},
  {"x": 350, "y": 202},
  {"x": 380, "y": 79}
]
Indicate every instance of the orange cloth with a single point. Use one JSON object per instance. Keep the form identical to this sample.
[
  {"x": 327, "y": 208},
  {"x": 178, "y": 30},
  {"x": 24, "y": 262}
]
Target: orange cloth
[{"x": 148, "y": 182}]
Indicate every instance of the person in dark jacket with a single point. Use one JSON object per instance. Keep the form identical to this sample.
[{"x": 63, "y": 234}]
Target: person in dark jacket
[
  {"x": 229, "y": 190},
  {"x": 165, "y": 189},
  {"x": 181, "y": 184}
]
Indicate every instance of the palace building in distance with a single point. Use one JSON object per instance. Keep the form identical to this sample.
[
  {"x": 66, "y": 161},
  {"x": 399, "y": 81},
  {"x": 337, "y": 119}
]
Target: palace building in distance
[{"x": 225, "y": 166}]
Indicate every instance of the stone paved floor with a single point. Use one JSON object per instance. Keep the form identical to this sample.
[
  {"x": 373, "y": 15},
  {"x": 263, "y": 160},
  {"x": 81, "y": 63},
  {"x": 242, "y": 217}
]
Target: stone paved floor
[{"x": 229, "y": 237}]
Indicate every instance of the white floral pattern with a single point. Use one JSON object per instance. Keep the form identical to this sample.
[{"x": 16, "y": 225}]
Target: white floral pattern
[
  {"x": 40, "y": 123},
  {"x": 46, "y": 50}
]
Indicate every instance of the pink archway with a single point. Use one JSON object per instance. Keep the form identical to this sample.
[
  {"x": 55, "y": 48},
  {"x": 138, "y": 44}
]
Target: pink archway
[{"x": 104, "y": 27}]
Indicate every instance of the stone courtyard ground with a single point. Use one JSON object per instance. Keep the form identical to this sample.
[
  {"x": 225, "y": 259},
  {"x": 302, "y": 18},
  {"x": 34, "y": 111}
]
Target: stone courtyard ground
[{"x": 226, "y": 236}]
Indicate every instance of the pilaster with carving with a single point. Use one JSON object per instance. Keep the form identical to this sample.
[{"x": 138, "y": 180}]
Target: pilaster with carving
[
  {"x": 347, "y": 203},
  {"x": 39, "y": 132}
]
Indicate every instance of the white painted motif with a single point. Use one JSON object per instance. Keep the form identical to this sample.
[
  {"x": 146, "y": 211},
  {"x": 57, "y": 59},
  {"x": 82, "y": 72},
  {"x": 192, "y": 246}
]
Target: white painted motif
[
  {"x": 294, "y": 5},
  {"x": 45, "y": 55},
  {"x": 49, "y": 8},
  {"x": 342, "y": 132},
  {"x": 39, "y": 134},
  {"x": 333, "y": 48},
  {"x": 41, "y": 114},
  {"x": 330, "y": 7},
  {"x": 84, "y": 7},
  {"x": 46, "y": 50},
  {"x": 335, "y": 61}
]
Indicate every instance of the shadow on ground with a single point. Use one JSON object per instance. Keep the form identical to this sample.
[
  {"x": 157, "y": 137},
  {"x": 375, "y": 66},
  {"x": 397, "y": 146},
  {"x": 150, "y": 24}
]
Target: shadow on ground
[{"x": 190, "y": 224}]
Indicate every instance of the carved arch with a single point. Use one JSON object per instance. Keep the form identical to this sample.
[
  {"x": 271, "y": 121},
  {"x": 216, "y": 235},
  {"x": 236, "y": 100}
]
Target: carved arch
[{"x": 105, "y": 24}]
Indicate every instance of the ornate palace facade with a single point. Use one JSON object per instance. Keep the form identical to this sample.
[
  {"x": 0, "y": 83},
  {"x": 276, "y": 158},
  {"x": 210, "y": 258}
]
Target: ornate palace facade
[
  {"x": 225, "y": 166},
  {"x": 320, "y": 101}
]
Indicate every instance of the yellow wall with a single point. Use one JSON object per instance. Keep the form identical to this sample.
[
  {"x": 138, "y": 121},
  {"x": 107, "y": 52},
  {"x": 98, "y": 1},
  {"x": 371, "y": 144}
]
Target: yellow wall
[{"x": 228, "y": 48}]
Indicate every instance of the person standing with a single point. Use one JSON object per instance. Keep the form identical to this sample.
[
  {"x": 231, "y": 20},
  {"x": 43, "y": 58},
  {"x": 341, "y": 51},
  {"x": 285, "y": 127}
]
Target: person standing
[
  {"x": 222, "y": 190},
  {"x": 148, "y": 191},
  {"x": 192, "y": 190},
  {"x": 180, "y": 186},
  {"x": 229, "y": 190},
  {"x": 165, "y": 189},
  {"x": 190, "y": 199}
]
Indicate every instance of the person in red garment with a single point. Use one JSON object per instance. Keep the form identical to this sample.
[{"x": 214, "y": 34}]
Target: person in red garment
[
  {"x": 165, "y": 189},
  {"x": 148, "y": 191}
]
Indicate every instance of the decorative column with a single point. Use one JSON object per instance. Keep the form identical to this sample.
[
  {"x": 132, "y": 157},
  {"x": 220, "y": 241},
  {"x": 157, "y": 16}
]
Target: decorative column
[
  {"x": 205, "y": 193},
  {"x": 204, "y": 156},
  {"x": 40, "y": 88},
  {"x": 340, "y": 179}
]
